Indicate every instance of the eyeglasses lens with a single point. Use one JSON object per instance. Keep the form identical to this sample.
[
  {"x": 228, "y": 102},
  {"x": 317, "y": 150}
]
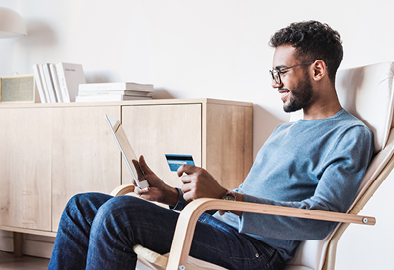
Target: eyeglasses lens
[{"x": 275, "y": 76}]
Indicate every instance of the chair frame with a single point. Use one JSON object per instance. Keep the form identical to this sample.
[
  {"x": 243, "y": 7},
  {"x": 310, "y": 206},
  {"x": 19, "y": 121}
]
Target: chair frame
[
  {"x": 188, "y": 217},
  {"x": 329, "y": 263}
]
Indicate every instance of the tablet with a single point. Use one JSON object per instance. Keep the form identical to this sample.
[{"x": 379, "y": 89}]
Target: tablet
[{"x": 127, "y": 152}]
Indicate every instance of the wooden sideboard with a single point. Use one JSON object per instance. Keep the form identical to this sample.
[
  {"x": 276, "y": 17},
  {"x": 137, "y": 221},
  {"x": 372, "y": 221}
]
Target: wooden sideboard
[{"x": 50, "y": 152}]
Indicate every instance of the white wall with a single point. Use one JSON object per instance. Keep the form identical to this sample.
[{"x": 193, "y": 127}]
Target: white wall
[{"x": 207, "y": 48}]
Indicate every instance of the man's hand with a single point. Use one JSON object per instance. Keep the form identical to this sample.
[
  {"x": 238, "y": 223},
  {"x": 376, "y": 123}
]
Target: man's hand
[
  {"x": 198, "y": 183},
  {"x": 158, "y": 190}
]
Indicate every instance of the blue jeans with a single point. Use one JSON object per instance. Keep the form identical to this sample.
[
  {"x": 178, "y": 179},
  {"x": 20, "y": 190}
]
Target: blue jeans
[{"x": 98, "y": 231}]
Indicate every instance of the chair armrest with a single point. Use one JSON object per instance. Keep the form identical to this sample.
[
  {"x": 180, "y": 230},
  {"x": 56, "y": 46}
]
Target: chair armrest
[
  {"x": 122, "y": 190},
  {"x": 187, "y": 220}
]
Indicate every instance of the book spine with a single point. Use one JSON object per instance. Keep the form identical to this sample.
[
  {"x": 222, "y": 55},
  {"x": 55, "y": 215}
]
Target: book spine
[
  {"x": 108, "y": 98},
  {"x": 48, "y": 80},
  {"x": 44, "y": 85},
  {"x": 38, "y": 82},
  {"x": 62, "y": 82},
  {"x": 98, "y": 98},
  {"x": 55, "y": 82},
  {"x": 116, "y": 92},
  {"x": 115, "y": 87}
]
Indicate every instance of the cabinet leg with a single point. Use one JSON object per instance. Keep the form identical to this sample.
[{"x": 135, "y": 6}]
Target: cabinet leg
[{"x": 18, "y": 244}]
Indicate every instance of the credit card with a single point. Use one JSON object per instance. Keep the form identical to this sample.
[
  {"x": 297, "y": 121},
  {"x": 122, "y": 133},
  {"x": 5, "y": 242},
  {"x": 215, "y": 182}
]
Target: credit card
[{"x": 176, "y": 161}]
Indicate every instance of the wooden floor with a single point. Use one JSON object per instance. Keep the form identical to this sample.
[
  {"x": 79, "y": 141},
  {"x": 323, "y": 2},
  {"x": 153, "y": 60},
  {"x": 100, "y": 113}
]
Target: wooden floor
[{"x": 9, "y": 262}]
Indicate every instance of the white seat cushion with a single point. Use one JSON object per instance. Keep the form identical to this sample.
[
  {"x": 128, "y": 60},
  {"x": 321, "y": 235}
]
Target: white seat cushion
[{"x": 367, "y": 93}]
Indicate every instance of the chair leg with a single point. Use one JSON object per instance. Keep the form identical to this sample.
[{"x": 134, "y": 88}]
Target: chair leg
[{"x": 18, "y": 244}]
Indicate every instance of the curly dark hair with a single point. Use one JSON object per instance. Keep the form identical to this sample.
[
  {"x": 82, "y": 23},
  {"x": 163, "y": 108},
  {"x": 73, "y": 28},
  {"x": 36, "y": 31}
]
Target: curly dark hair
[{"x": 313, "y": 40}]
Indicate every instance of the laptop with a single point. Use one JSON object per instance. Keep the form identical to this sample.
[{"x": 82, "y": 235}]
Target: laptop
[{"x": 127, "y": 152}]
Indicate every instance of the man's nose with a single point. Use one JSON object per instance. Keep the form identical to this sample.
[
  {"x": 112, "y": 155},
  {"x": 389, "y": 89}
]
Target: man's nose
[{"x": 274, "y": 84}]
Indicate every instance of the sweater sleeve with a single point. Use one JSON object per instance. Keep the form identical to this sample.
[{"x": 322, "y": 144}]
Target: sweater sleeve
[
  {"x": 181, "y": 201},
  {"x": 344, "y": 169}
]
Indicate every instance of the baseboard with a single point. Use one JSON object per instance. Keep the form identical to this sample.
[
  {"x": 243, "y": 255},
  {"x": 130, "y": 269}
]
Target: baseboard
[
  {"x": 33, "y": 245},
  {"x": 6, "y": 241}
]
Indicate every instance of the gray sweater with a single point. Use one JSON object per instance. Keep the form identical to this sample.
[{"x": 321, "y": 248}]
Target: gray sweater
[{"x": 308, "y": 164}]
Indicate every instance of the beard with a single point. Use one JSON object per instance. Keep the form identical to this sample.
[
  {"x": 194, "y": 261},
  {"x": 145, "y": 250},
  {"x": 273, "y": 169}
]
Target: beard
[{"x": 300, "y": 96}]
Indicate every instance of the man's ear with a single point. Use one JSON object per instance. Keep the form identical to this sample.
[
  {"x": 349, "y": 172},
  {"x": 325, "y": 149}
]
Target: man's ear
[{"x": 319, "y": 70}]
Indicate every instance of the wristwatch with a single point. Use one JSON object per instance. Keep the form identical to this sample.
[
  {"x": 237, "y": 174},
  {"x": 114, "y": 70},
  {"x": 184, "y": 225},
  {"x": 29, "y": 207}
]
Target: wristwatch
[{"x": 229, "y": 196}]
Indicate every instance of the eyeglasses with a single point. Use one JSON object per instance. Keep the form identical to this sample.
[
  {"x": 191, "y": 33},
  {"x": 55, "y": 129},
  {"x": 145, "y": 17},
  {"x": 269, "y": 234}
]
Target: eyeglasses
[{"x": 275, "y": 73}]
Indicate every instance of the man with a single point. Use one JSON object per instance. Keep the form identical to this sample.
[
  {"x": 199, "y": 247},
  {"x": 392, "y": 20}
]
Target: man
[{"x": 315, "y": 163}]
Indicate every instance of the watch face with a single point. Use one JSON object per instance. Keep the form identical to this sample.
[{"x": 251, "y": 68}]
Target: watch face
[{"x": 228, "y": 197}]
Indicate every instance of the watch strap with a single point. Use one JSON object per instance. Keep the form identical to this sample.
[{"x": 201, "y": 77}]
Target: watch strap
[{"x": 230, "y": 195}]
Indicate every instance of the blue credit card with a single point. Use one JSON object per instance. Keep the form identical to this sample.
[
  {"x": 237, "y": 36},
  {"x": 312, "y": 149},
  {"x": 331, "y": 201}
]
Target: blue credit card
[{"x": 176, "y": 161}]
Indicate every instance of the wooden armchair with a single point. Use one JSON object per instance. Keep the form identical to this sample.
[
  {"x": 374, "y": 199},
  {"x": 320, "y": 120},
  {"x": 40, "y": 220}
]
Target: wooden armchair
[{"x": 366, "y": 92}]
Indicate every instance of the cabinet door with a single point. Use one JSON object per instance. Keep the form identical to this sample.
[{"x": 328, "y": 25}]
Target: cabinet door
[
  {"x": 156, "y": 130},
  {"x": 25, "y": 162},
  {"x": 85, "y": 156},
  {"x": 228, "y": 142}
]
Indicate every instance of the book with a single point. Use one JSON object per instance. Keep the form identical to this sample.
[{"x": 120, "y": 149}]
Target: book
[
  {"x": 70, "y": 76},
  {"x": 115, "y": 86},
  {"x": 48, "y": 81},
  {"x": 55, "y": 82},
  {"x": 43, "y": 82},
  {"x": 95, "y": 98},
  {"x": 116, "y": 92},
  {"x": 38, "y": 81}
]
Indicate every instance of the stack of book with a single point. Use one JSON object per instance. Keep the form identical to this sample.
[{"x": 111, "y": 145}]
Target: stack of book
[
  {"x": 58, "y": 82},
  {"x": 92, "y": 92}
]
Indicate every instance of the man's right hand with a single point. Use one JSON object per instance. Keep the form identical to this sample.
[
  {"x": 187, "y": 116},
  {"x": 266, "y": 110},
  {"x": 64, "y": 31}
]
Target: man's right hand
[{"x": 158, "y": 190}]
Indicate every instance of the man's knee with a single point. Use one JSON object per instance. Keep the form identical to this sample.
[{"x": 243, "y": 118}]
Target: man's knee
[
  {"x": 120, "y": 204},
  {"x": 119, "y": 213},
  {"x": 86, "y": 203},
  {"x": 128, "y": 209}
]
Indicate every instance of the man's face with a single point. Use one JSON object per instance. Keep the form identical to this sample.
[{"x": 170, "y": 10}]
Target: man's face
[
  {"x": 300, "y": 96},
  {"x": 295, "y": 88}
]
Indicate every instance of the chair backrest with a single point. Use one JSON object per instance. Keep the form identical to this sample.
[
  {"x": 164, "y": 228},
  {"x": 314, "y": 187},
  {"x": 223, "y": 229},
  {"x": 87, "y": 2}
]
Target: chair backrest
[{"x": 367, "y": 93}]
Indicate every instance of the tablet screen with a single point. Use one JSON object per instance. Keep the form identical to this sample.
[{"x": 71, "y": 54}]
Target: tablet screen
[{"x": 127, "y": 152}]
